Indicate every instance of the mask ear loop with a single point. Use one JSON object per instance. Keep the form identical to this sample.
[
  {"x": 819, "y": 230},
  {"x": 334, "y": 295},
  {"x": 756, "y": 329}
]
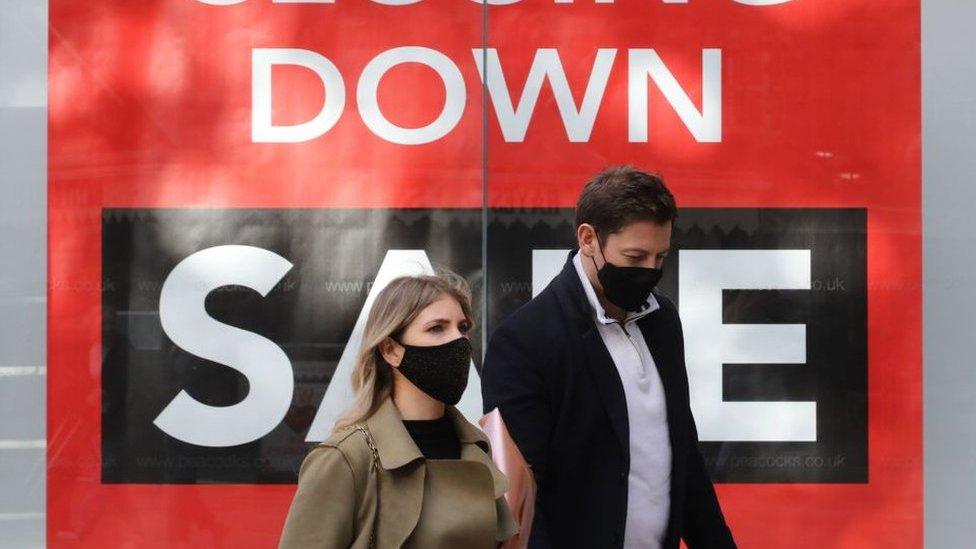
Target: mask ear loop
[{"x": 599, "y": 246}]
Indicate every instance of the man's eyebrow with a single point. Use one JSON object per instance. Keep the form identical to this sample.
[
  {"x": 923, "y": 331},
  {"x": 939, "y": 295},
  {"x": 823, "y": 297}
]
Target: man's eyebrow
[{"x": 643, "y": 251}]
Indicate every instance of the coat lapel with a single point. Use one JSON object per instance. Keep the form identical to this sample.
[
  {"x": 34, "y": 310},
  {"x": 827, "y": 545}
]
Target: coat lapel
[
  {"x": 596, "y": 357},
  {"x": 406, "y": 470},
  {"x": 475, "y": 447},
  {"x": 608, "y": 384},
  {"x": 404, "y": 481},
  {"x": 505, "y": 525}
]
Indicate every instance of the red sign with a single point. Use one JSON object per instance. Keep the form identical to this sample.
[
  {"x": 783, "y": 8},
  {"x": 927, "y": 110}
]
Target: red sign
[{"x": 186, "y": 104}]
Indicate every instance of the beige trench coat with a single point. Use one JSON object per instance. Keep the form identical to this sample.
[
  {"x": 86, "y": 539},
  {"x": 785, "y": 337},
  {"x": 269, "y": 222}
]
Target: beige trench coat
[{"x": 336, "y": 505}]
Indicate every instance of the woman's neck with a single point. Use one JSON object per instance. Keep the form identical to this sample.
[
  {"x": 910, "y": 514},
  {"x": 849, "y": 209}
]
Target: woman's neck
[{"x": 415, "y": 404}]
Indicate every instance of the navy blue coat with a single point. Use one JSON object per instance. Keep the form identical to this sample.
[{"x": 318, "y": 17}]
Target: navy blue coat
[{"x": 548, "y": 371}]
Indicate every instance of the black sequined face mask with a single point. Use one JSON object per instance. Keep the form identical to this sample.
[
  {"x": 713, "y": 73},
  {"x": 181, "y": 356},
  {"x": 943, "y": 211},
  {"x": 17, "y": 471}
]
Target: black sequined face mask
[{"x": 441, "y": 371}]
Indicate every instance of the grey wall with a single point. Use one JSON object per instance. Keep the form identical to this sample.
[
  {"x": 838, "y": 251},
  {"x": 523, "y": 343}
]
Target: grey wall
[
  {"x": 949, "y": 259},
  {"x": 23, "y": 257},
  {"x": 949, "y": 161}
]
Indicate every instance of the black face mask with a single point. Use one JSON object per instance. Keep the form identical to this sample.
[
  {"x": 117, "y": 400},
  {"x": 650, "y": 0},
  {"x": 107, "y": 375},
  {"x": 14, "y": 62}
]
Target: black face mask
[
  {"x": 441, "y": 371},
  {"x": 626, "y": 287}
]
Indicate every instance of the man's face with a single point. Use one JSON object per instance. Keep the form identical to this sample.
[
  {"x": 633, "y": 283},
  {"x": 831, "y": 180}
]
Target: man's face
[{"x": 638, "y": 244}]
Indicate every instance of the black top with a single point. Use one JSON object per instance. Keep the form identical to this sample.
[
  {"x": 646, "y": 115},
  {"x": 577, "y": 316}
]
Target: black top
[{"x": 435, "y": 437}]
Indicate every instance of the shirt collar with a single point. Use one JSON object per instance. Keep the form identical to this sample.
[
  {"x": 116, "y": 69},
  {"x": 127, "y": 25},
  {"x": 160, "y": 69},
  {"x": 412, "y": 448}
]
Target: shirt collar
[{"x": 598, "y": 312}]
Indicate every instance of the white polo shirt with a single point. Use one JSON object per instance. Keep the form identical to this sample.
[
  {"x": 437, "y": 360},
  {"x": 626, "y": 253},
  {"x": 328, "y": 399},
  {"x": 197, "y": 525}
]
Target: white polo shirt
[{"x": 649, "y": 482}]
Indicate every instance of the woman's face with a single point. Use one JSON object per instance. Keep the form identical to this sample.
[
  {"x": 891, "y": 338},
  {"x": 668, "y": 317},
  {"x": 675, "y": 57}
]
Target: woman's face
[{"x": 440, "y": 322}]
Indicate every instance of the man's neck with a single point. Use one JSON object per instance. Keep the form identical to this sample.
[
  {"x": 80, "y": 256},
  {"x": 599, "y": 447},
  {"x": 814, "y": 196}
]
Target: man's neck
[{"x": 612, "y": 310}]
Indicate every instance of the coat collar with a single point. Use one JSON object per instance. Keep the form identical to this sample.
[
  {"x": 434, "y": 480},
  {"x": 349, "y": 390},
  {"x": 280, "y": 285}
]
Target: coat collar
[
  {"x": 397, "y": 449},
  {"x": 571, "y": 294}
]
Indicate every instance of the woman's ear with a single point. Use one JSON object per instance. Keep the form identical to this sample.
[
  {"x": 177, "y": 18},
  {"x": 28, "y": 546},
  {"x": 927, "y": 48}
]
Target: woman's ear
[{"x": 392, "y": 353}]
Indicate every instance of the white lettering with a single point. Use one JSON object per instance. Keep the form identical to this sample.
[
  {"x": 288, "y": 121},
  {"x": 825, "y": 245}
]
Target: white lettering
[
  {"x": 514, "y": 121},
  {"x": 705, "y": 126},
  {"x": 369, "y": 107},
  {"x": 261, "y": 361},
  {"x": 262, "y": 130},
  {"x": 710, "y": 343}
]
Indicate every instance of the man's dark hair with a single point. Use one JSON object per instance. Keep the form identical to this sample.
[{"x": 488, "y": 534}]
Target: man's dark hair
[{"x": 620, "y": 195}]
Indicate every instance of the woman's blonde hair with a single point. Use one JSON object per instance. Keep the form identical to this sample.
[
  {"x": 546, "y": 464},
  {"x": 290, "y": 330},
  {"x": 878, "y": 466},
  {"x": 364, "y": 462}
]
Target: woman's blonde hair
[{"x": 395, "y": 307}]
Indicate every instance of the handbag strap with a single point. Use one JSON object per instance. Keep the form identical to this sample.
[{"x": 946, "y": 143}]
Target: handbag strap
[
  {"x": 373, "y": 465},
  {"x": 372, "y": 445}
]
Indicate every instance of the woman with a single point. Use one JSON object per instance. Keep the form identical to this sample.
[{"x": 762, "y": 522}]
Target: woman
[{"x": 403, "y": 467}]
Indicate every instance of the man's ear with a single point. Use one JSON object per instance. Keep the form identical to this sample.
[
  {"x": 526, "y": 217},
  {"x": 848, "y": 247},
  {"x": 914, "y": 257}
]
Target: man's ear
[
  {"x": 392, "y": 353},
  {"x": 586, "y": 239}
]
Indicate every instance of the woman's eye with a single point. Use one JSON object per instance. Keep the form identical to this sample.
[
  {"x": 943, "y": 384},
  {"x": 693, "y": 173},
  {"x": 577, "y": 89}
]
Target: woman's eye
[
  {"x": 464, "y": 328},
  {"x": 436, "y": 328}
]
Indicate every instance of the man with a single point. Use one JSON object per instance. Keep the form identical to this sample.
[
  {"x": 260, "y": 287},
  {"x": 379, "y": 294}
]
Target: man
[{"x": 590, "y": 380}]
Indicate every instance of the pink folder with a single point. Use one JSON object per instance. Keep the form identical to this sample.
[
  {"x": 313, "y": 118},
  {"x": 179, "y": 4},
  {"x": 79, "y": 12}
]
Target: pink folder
[{"x": 521, "y": 483}]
